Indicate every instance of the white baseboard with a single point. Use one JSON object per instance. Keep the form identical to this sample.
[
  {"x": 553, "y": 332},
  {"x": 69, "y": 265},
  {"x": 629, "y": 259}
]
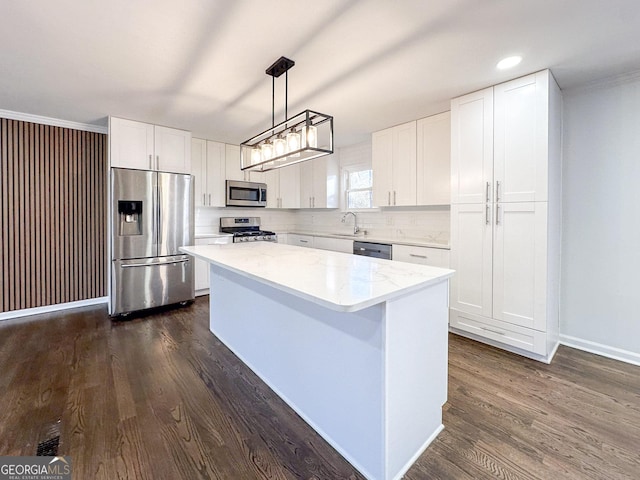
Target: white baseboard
[
  {"x": 599, "y": 349},
  {"x": 52, "y": 308},
  {"x": 55, "y": 122}
]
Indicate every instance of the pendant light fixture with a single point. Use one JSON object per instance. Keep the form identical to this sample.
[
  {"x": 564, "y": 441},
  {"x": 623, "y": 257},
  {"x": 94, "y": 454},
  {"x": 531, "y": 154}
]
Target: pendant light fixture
[{"x": 300, "y": 138}]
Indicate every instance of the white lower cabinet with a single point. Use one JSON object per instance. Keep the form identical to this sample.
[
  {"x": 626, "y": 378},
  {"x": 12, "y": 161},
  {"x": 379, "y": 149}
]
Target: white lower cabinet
[
  {"x": 201, "y": 268},
  {"x": 522, "y": 338},
  {"x": 300, "y": 240},
  {"x": 323, "y": 243},
  {"x": 333, "y": 244},
  {"x": 434, "y": 257}
]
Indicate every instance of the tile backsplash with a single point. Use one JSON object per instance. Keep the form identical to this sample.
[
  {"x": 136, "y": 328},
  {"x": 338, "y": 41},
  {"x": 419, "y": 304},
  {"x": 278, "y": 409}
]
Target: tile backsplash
[{"x": 430, "y": 224}]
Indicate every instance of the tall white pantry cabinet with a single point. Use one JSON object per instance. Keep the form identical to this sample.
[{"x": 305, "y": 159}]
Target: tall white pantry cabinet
[{"x": 505, "y": 215}]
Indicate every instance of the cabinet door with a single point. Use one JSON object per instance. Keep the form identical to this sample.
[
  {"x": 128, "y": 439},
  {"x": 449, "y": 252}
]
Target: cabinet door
[
  {"x": 272, "y": 179},
  {"x": 326, "y": 182},
  {"x": 471, "y": 258},
  {"x": 300, "y": 240},
  {"x": 521, "y": 112},
  {"x": 472, "y": 147},
  {"x": 130, "y": 144},
  {"x": 306, "y": 183},
  {"x": 199, "y": 170},
  {"x": 172, "y": 150},
  {"x": 433, "y": 164},
  {"x": 232, "y": 161},
  {"x": 434, "y": 257},
  {"x": 404, "y": 165},
  {"x": 216, "y": 167},
  {"x": 333, "y": 244},
  {"x": 519, "y": 272},
  {"x": 290, "y": 186},
  {"x": 201, "y": 272},
  {"x": 381, "y": 161}
]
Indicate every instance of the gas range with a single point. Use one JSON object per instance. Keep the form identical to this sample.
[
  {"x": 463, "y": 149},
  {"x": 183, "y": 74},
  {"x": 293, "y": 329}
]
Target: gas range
[{"x": 246, "y": 229}]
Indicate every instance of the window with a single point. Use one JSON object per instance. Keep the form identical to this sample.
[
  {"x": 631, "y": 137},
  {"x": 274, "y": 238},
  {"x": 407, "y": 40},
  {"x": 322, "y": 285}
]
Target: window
[{"x": 358, "y": 187}]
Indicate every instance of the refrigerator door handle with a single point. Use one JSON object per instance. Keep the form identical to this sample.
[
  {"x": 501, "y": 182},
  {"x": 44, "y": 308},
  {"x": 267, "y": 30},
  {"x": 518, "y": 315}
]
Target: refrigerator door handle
[{"x": 156, "y": 264}]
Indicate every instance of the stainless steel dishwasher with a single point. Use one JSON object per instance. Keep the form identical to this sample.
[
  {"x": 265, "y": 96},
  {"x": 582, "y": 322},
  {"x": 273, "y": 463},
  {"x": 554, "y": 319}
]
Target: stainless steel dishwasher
[{"x": 370, "y": 249}]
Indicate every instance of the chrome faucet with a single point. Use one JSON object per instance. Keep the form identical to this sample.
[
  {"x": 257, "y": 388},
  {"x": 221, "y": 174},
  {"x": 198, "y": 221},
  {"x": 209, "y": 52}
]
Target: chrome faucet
[{"x": 356, "y": 229}]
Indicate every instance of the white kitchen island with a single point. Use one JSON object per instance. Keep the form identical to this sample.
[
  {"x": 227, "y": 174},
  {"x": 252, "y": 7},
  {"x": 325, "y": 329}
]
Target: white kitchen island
[{"x": 357, "y": 346}]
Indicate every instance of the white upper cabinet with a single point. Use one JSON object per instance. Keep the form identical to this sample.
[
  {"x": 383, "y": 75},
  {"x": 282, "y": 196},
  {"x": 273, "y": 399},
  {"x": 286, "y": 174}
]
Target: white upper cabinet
[
  {"x": 289, "y": 186},
  {"x": 283, "y": 187},
  {"x": 232, "y": 161},
  {"x": 472, "y": 147},
  {"x": 130, "y": 144},
  {"x": 148, "y": 147},
  {"x": 319, "y": 183},
  {"x": 208, "y": 169},
  {"x": 199, "y": 170},
  {"x": 172, "y": 149},
  {"x": 394, "y": 165},
  {"x": 434, "y": 160},
  {"x": 521, "y": 132}
]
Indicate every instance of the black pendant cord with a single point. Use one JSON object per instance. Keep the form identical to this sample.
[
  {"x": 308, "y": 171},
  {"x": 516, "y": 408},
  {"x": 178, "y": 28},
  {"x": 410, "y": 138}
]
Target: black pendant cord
[
  {"x": 273, "y": 102},
  {"x": 286, "y": 94}
]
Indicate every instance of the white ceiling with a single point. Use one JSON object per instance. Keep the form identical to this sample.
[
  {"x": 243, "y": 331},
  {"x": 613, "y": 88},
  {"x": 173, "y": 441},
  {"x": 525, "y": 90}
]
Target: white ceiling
[{"x": 199, "y": 64}]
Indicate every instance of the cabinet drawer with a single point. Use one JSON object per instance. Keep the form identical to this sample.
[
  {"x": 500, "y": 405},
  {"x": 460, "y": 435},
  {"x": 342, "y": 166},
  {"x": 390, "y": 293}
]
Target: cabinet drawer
[
  {"x": 333, "y": 244},
  {"x": 519, "y": 337},
  {"x": 300, "y": 240},
  {"x": 435, "y": 257}
]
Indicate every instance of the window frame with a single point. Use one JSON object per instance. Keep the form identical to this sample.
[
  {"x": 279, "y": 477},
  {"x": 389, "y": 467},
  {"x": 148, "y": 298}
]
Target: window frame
[{"x": 346, "y": 171}]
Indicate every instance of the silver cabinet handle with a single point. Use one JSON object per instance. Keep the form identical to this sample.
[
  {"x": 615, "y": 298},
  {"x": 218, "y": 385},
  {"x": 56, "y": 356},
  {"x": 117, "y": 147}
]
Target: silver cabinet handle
[
  {"x": 486, "y": 215},
  {"x": 389, "y": 199},
  {"x": 497, "y": 191},
  {"x": 494, "y": 331},
  {"x": 394, "y": 197},
  {"x": 209, "y": 199},
  {"x": 314, "y": 202},
  {"x": 310, "y": 203},
  {"x": 204, "y": 199},
  {"x": 497, "y": 214},
  {"x": 488, "y": 187},
  {"x": 157, "y": 162},
  {"x": 304, "y": 241},
  {"x": 417, "y": 256},
  {"x": 150, "y": 162}
]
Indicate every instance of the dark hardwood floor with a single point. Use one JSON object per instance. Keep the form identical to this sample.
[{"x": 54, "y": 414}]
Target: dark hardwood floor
[{"x": 159, "y": 397}]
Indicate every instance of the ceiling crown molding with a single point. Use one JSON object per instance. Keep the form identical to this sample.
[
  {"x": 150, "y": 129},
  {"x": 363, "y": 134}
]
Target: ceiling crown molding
[{"x": 55, "y": 122}]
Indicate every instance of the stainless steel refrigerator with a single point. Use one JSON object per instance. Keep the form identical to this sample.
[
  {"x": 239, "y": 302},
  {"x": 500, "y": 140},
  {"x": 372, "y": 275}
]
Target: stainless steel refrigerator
[{"x": 151, "y": 217}]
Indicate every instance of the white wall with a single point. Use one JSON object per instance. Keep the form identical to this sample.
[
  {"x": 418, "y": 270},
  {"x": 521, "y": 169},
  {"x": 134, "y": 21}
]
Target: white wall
[{"x": 600, "y": 286}]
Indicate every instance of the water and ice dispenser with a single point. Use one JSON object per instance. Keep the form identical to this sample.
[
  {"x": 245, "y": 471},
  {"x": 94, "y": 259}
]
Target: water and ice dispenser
[{"x": 130, "y": 212}]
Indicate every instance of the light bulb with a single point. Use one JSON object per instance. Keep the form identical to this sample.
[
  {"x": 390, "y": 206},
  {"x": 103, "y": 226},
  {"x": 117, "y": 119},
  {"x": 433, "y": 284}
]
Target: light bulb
[
  {"x": 256, "y": 155},
  {"x": 311, "y": 136},
  {"x": 267, "y": 151},
  {"x": 293, "y": 142},
  {"x": 280, "y": 146}
]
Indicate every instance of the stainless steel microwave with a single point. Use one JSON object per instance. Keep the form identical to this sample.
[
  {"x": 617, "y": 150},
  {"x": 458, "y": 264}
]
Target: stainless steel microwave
[{"x": 246, "y": 194}]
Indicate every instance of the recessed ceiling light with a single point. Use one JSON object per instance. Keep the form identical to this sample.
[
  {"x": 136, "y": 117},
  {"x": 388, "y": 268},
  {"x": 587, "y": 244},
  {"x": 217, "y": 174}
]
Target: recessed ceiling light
[{"x": 509, "y": 62}]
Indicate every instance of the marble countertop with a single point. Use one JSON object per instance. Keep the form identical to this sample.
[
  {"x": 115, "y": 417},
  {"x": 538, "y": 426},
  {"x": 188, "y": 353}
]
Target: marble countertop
[
  {"x": 339, "y": 281},
  {"x": 413, "y": 242}
]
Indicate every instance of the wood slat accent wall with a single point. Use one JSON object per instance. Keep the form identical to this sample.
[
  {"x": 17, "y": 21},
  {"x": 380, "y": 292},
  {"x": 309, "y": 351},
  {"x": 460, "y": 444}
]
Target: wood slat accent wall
[{"x": 53, "y": 233}]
